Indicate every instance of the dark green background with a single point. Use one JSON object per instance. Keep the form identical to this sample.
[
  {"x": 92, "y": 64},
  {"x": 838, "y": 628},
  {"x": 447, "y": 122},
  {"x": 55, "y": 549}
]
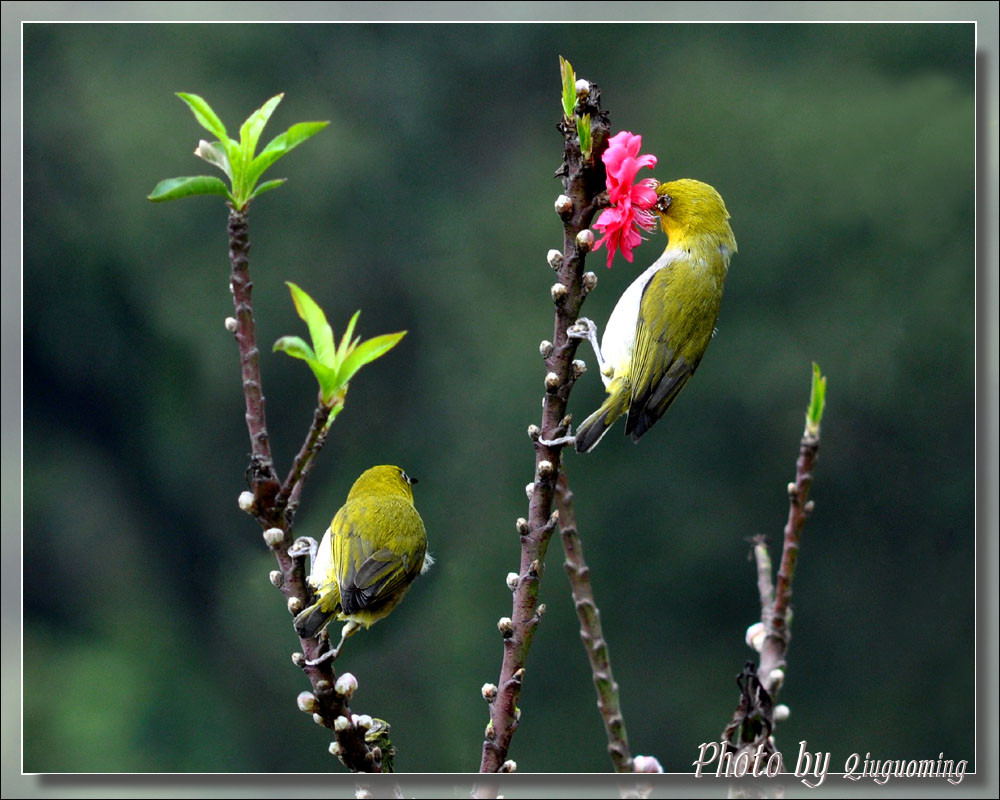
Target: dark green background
[{"x": 152, "y": 638}]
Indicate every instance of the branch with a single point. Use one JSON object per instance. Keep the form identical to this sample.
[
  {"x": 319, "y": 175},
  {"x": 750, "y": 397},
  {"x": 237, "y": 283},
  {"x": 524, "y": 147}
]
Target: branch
[
  {"x": 263, "y": 480},
  {"x": 273, "y": 506},
  {"x": 583, "y": 180},
  {"x": 754, "y": 719},
  {"x": 590, "y": 630}
]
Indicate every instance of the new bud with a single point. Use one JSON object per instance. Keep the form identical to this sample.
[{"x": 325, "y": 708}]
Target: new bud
[
  {"x": 522, "y": 526},
  {"x": 589, "y": 282},
  {"x": 545, "y": 469},
  {"x": 552, "y": 381},
  {"x": 506, "y": 627},
  {"x": 512, "y": 580},
  {"x": 755, "y": 636},
  {"x": 489, "y": 692},
  {"x": 585, "y": 240},
  {"x": 781, "y": 712},
  {"x": 294, "y": 606},
  {"x": 555, "y": 258},
  {"x": 346, "y": 685},
  {"x": 273, "y": 536},
  {"x": 276, "y": 578},
  {"x": 564, "y": 206},
  {"x": 559, "y": 292},
  {"x": 231, "y": 324},
  {"x": 545, "y": 348},
  {"x": 307, "y": 702},
  {"x": 246, "y": 502},
  {"x": 646, "y": 764}
]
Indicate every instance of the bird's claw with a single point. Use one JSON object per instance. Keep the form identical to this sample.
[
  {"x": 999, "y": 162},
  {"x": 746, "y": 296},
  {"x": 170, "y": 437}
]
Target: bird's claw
[
  {"x": 559, "y": 442},
  {"x": 303, "y": 546}
]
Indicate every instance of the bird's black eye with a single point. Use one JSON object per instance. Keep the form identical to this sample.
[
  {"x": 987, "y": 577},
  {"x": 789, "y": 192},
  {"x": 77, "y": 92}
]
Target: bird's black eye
[
  {"x": 664, "y": 203},
  {"x": 407, "y": 478}
]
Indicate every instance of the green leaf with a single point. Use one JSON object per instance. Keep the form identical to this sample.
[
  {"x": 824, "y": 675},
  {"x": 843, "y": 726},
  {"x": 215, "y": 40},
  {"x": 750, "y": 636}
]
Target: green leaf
[
  {"x": 206, "y": 117},
  {"x": 319, "y": 329},
  {"x": 568, "y": 87},
  {"x": 583, "y": 131},
  {"x": 176, "y": 188},
  {"x": 367, "y": 352},
  {"x": 345, "y": 342},
  {"x": 280, "y": 145},
  {"x": 326, "y": 376},
  {"x": 215, "y": 154},
  {"x": 817, "y": 401},
  {"x": 266, "y": 186},
  {"x": 296, "y": 347},
  {"x": 251, "y": 130}
]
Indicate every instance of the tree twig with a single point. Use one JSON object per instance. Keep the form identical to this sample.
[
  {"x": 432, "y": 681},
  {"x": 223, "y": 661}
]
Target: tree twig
[
  {"x": 583, "y": 180},
  {"x": 274, "y": 505},
  {"x": 590, "y": 630}
]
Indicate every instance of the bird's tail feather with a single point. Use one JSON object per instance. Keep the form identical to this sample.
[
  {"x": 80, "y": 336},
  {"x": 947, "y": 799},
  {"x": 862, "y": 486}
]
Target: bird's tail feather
[{"x": 593, "y": 428}]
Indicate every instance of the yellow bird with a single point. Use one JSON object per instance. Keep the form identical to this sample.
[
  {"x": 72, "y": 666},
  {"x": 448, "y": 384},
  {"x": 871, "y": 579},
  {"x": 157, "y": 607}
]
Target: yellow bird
[
  {"x": 662, "y": 324},
  {"x": 369, "y": 556}
]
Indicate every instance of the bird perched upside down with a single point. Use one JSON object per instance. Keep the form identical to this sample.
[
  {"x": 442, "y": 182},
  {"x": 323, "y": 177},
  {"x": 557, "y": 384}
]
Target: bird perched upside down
[
  {"x": 662, "y": 324},
  {"x": 369, "y": 556}
]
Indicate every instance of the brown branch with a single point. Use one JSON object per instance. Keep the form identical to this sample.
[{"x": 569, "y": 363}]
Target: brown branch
[
  {"x": 582, "y": 181},
  {"x": 274, "y": 505},
  {"x": 590, "y": 630},
  {"x": 775, "y": 647},
  {"x": 754, "y": 720}
]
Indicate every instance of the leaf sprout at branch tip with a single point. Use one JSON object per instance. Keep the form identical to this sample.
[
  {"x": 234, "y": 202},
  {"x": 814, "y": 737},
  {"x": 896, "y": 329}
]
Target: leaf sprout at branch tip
[
  {"x": 333, "y": 366},
  {"x": 235, "y": 158}
]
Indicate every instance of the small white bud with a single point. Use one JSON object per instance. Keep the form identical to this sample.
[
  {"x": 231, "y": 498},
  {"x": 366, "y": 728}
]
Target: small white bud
[
  {"x": 307, "y": 702},
  {"x": 346, "y": 685},
  {"x": 564, "y": 206},
  {"x": 490, "y": 733},
  {"x": 579, "y": 367},
  {"x": 791, "y": 489},
  {"x": 512, "y": 580},
  {"x": 545, "y": 469},
  {"x": 646, "y": 764},
  {"x": 294, "y": 605},
  {"x": 517, "y": 713},
  {"x": 775, "y": 679},
  {"x": 534, "y": 432},
  {"x": 552, "y": 381},
  {"x": 522, "y": 526},
  {"x": 781, "y": 712},
  {"x": 589, "y": 281},
  {"x": 489, "y": 692},
  {"x": 585, "y": 240},
  {"x": 231, "y": 324},
  {"x": 363, "y": 721},
  {"x": 529, "y": 490},
  {"x": 299, "y": 659},
  {"x": 545, "y": 348},
  {"x": 540, "y": 610},
  {"x": 231, "y": 289},
  {"x": 341, "y": 724},
  {"x": 246, "y": 502},
  {"x": 276, "y": 578},
  {"x": 318, "y": 719},
  {"x": 582, "y": 87},
  {"x": 506, "y": 626},
  {"x": 755, "y": 636},
  {"x": 508, "y": 766},
  {"x": 336, "y": 749},
  {"x": 274, "y": 536},
  {"x": 555, "y": 258},
  {"x": 559, "y": 292}
]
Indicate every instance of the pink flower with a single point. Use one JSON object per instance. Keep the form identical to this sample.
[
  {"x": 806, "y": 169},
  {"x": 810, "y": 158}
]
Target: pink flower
[{"x": 630, "y": 203}]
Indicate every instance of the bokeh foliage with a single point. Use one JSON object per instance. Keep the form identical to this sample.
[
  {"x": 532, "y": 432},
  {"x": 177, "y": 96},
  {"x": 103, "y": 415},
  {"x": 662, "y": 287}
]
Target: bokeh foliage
[{"x": 153, "y": 640}]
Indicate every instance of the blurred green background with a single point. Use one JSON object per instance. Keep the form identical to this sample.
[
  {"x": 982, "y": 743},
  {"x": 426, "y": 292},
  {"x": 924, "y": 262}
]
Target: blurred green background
[{"x": 153, "y": 640}]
